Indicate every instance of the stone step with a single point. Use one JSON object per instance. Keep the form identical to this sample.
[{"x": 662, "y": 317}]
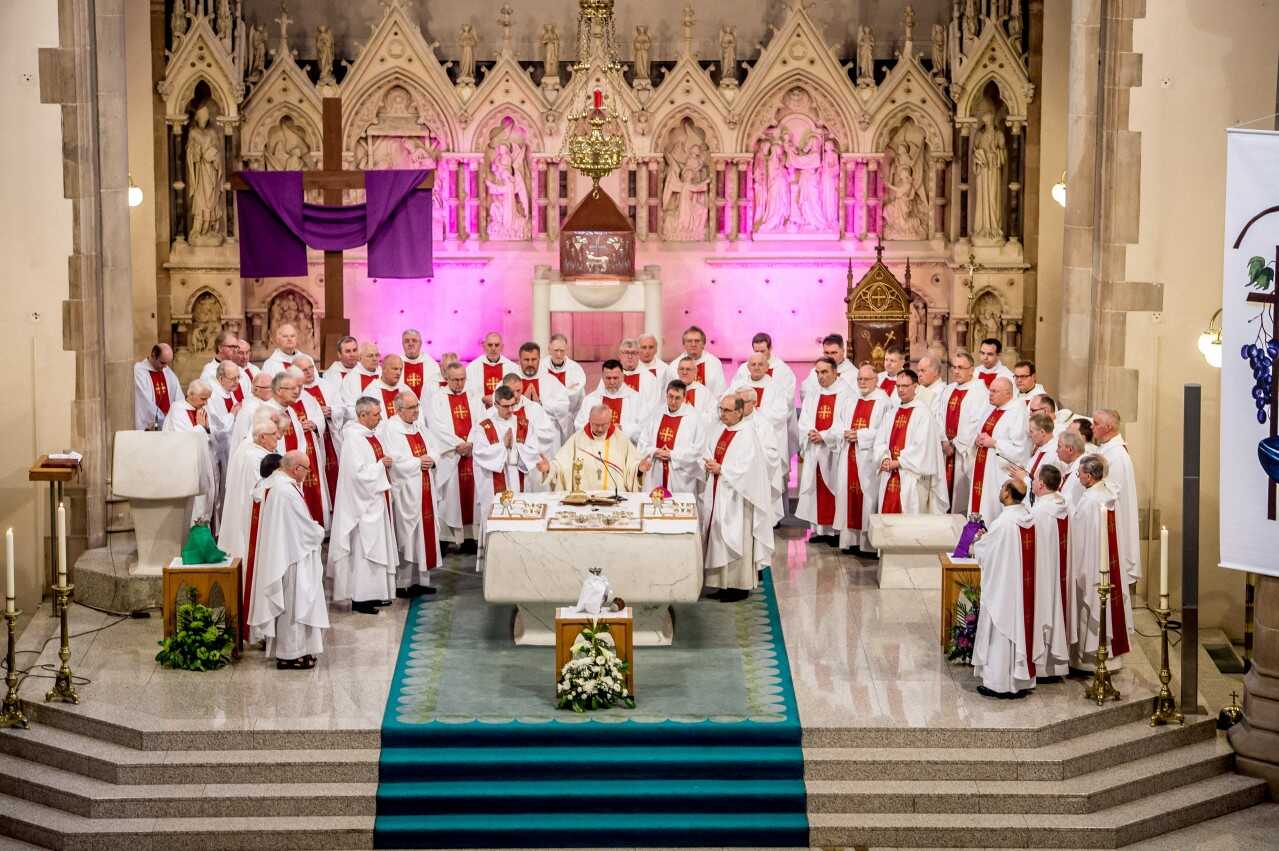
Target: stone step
[
  {"x": 1111, "y": 828},
  {"x": 1058, "y": 761}
]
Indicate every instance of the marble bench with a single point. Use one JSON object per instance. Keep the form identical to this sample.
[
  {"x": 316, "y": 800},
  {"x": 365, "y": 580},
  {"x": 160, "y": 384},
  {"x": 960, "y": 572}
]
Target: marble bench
[{"x": 908, "y": 545}]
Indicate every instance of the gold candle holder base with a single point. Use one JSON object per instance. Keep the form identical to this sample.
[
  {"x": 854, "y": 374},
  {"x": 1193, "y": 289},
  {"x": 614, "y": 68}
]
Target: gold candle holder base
[
  {"x": 1101, "y": 688},
  {"x": 1165, "y": 705},
  {"x": 11, "y": 714},
  {"x": 63, "y": 688}
]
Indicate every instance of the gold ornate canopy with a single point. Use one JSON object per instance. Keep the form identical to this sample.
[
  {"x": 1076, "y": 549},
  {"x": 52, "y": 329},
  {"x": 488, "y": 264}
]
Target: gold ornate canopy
[{"x": 878, "y": 312}]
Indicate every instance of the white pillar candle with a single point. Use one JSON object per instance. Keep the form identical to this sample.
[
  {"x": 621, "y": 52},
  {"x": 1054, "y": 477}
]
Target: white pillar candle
[
  {"x": 1163, "y": 567},
  {"x": 9, "y": 594},
  {"x": 62, "y": 544}
]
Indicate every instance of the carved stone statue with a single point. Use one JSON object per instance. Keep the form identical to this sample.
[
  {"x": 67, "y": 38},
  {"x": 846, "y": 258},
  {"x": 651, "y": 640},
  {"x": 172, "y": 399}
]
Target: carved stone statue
[
  {"x": 990, "y": 153},
  {"x": 224, "y": 25},
  {"x": 551, "y": 46},
  {"x": 687, "y": 20},
  {"x": 206, "y": 322},
  {"x": 686, "y": 190},
  {"x": 506, "y": 183},
  {"x": 986, "y": 322},
  {"x": 240, "y": 53},
  {"x": 504, "y": 16},
  {"x": 830, "y": 182},
  {"x": 939, "y": 50},
  {"x": 918, "y": 325},
  {"x": 908, "y": 26},
  {"x": 257, "y": 53},
  {"x": 286, "y": 146},
  {"x": 1015, "y": 23},
  {"x": 907, "y": 210},
  {"x": 467, "y": 41},
  {"x": 970, "y": 25},
  {"x": 641, "y": 45},
  {"x": 865, "y": 56},
  {"x": 178, "y": 20},
  {"x": 282, "y": 50},
  {"x": 728, "y": 56},
  {"x": 205, "y": 173},
  {"x": 324, "y": 55},
  {"x": 799, "y": 187}
]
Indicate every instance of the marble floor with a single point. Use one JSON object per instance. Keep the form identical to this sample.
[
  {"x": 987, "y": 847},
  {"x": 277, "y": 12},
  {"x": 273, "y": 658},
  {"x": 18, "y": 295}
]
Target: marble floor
[{"x": 861, "y": 657}]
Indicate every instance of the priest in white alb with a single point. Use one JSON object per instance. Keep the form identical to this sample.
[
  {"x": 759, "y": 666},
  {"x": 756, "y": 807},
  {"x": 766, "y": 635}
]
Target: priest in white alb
[
  {"x": 1070, "y": 448},
  {"x": 675, "y": 440},
  {"x": 696, "y": 396},
  {"x": 541, "y": 388},
  {"x": 486, "y": 372},
  {"x": 505, "y": 450},
  {"x": 736, "y": 506},
  {"x": 569, "y": 373},
  {"x": 963, "y": 402},
  {"x": 710, "y": 370},
  {"x": 775, "y": 405},
  {"x": 324, "y": 407},
  {"x": 651, "y": 360},
  {"x": 543, "y": 434},
  {"x": 421, "y": 372},
  {"x": 894, "y": 361},
  {"x": 302, "y": 434},
  {"x": 155, "y": 388},
  {"x": 821, "y": 433},
  {"x": 287, "y": 607},
  {"x": 1043, "y": 444},
  {"x": 242, "y": 476},
  {"x": 259, "y": 392},
  {"x": 222, "y": 409},
  {"x": 609, "y": 461},
  {"x": 1122, "y": 479},
  {"x": 639, "y": 379},
  {"x": 833, "y": 348},
  {"x": 909, "y": 456},
  {"x": 612, "y": 392},
  {"x": 190, "y": 415},
  {"x": 363, "y": 554},
  {"x": 859, "y": 419},
  {"x": 1000, "y": 443},
  {"x": 286, "y": 348},
  {"x": 1006, "y": 554},
  {"x": 347, "y": 360},
  {"x": 388, "y": 385},
  {"x": 931, "y": 385},
  {"x": 357, "y": 380},
  {"x": 1026, "y": 384},
  {"x": 1094, "y": 547},
  {"x": 990, "y": 366},
  {"x": 407, "y": 440},
  {"x": 452, "y": 418},
  {"x": 1050, "y": 650},
  {"x": 225, "y": 348},
  {"x": 778, "y": 466},
  {"x": 784, "y": 380}
]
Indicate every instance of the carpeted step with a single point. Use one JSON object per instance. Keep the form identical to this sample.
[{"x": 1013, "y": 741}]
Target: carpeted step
[
  {"x": 651, "y": 763},
  {"x": 598, "y": 796},
  {"x": 593, "y": 830},
  {"x": 626, "y": 732}
]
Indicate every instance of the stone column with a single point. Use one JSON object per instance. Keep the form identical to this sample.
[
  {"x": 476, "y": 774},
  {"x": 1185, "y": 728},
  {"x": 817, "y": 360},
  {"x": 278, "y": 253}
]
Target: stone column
[
  {"x": 553, "y": 199},
  {"x": 1256, "y": 738},
  {"x": 1102, "y": 210},
  {"x": 731, "y": 209},
  {"x": 541, "y": 306},
  {"x": 641, "y": 199}
]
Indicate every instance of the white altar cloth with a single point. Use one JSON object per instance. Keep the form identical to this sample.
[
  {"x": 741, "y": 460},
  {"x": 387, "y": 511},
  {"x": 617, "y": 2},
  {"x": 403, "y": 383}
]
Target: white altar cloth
[{"x": 538, "y": 570}]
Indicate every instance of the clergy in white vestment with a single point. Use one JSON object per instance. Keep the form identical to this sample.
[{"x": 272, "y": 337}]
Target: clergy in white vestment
[
  {"x": 421, "y": 372},
  {"x": 366, "y": 372},
  {"x": 650, "y": 359},
  {"x": 1005, "y": 622},
  {"x": 1094, "y": 548},
  {"x": 191, "y": 414},
  {"x": 1026, "y": 384},
  {"x": 1122, "y": 479},
  {"x": 243, "y": 353},
  {"x": 1043, "y": 445},
  {"x": 486, "y": 372},
  {"x": 909, "y": 457},
  {"x": 962, "y": 405},
  {"x": 540, "y": 387},
  {"x": 624, "y": 402},
  {"x": 155, "y": 387},
  {"x": 331, "y": 416},
  {"x": 822, "y": 434},
  {"x": 1045, "y": 404},
  {"x": 363, "y": 553},
  {"x": 543, "y": 434},
  {"x": 736, "y": 505},
  {"x": 505, "y": 450},
  {"x": 1083, "y": 427},
  {"x": 302, "y": 433},
  {"x": 696, "y": 395},
  {"x": 784, "y": 379},
  {"x": 225, "y": 347},
  {"x": 1001, "y": 442},
  {"x": 242, "y": 476},
  {"x": 414, "y": 500},
  {"x": 222, "y": 408},
  {"x": 452, "y": 418},
  {"x": 569, "y": 373},
  {"x": 287, "y": 606},
  {"x": 1050, "y": 650},
  {"x": 773, "y": 457},
  {"x": 989, "y": 366},
  {"x": 347, "y": 360},
  {"x": 833, "y": 348},
  {"x": 710, "y": 370},
  {"x": 609, "y": 460},
  {"x": 859, "y": 418},
  {"x": 388, "y": 385},
  {"x": 1070, "y": 448},
  {"x": 894, "y": 361},
  {"x": 675, "y": 439},
  {"x": 286, "y": 348},
  {"x": 651, "y": 392},
  {"x": 259, "y": 392},
  {"x": 775, "y": 406}
]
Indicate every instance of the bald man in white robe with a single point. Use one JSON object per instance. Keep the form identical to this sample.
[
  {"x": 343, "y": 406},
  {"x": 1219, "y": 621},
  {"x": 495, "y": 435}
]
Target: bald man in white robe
[
  {"x": 242, "y": 477},
  {"x": 1122, "y": 478},
  {"x": 569, "y": 373},
  {"x": 859, "y": 418},
  {"x": 407, "y": 440},
  {"x": 155, "y": 388},
  {"x": 485, "y": 373},
  {"x": 286, "y": 348},
  {"x": 1094, "y": 547},
  {"x": 259, "y": 392},
  {"x": 1001, "y": 442}
]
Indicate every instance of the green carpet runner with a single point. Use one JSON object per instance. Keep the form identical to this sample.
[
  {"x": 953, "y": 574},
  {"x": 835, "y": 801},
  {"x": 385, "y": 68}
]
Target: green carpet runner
[{"x": 592, "y": 781}]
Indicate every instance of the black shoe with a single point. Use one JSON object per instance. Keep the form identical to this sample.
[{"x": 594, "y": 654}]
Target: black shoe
[
  {"x": 419, "y": 590},
  {"x": 733, "y": 595},
  {"x": 851, "y": 551},
  {"x": 715, "y": 595},
  {"x": 1047, "y": 680},
  {"x": 445, "y": 548},
  {"x": 402, "y": 593},
  {"x": 822, "y": 539},
  {"x": 869, "y": 555},
  {"x": 382, "y": 603},
  {"x": 469, "y": 548},
  {"x": 833, "y": 542},
  {"x": 364, "y": 607},
  {"x": 985, "y": 692},
  {"x": 1079, "y": 674}
]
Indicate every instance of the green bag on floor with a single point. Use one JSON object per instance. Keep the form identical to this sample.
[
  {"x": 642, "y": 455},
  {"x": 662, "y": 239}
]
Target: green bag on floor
[{"x": 200, "y": 547}]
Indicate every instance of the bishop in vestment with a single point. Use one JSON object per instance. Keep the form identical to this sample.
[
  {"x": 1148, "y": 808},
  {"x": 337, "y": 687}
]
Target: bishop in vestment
[
  {"x": 860, "y": 417},
  {"x": 406, "y": 439},
  {"x": 1001, "y": 443},
  {"x": 1094, "y": 549},
  {"x": 452, "y": 419},
  {"x": 287, "y": 607},
  {"x": 822, "y": 435},
  {"x": 909, "y": 457},
  {"x": 675, "y": 439},
  {"x": 609, "y": 460},
  {"x": 363, "y": 554},
  {"x": 1005, "y": 621}
]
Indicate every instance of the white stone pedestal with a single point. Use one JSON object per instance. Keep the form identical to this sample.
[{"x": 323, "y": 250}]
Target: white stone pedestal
[
  {"x": 654, "y": 625},
  {"x": 908, "y": 545},
  {"x": 643, "y": 294}
]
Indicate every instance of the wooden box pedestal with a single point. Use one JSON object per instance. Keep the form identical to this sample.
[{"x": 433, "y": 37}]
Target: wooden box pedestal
[
  {"x": 954, "y": 575},
  {"x": 621, "y": 625},
  {"x": 204, "y": 579}
]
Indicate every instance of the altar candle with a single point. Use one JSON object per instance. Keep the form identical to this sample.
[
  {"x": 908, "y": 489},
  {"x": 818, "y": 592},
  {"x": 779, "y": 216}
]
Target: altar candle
[
  {"x": 9, "y": 594},
  {"x": 62, "y": 544},
  {"x": 1163, "y": 567},
  {"x": 599, "y": 99}
]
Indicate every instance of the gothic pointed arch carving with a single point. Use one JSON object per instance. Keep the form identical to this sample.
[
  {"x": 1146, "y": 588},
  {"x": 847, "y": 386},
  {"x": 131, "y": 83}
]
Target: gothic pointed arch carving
[
  {"x": 200, "y": 57},
  {"x": 992, "y": 59}
]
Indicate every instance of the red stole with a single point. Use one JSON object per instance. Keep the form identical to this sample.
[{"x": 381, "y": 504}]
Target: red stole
[
  {"x": 413, "y": 377},
  {"x": 366, "y": 380},
  {"x": 666, "y": 433},
  {"x": 537, "y": 389},
  {"x": 759, "y": 396},
  {"x": 160, "y": 389},
  {"x": 330, "y": 450},
  {"x": 460, "y": 411},
  {"x": 987, "y": 377},
  {"x": 1118, "y": 617},
  {"x": 896, "y": 443},
  {"x": 1028, "y": 593},
  {"x": 493, "y": 373},
  {"x": 861, "y": 419},
  {"x": 249, "y": 557},
  {"x": 614, "y": 405},
  {"x": 888, "y": 385},
  {"x": 721, "y": 450},
  {"x": 388, "y": 399},
  {"x": 192, "y": 413},
  {"x": 378, "y": 455},
  {"x": 690, "y": 396},
  {"x": 954, "y": 407},
  {"x": 230, "y": 403},
  {"x": 701, "y": 372},
  {"x": 1063, "y": 565},
  {"x": 1039, "y": 456},
  {"x": 563, "y": 377},
  {"x": 521, "y": 434},
  {"x": 632, "y": 381},
  {"x": 979, "y": 465},
  {"x": 238, "y": 393},
  {"x": 417, "y": 445},
  {"x": 311, "y": 487},
  {"x": 770, "y": 372},
  {"x": 825, "y": 496}
]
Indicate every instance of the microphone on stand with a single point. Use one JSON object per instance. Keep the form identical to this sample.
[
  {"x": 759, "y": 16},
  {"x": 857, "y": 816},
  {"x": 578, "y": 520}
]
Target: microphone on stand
[{"x": 607, "y": 463}]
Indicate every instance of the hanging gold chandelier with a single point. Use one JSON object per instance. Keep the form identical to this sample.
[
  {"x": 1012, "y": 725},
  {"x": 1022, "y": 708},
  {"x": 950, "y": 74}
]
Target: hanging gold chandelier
[{"x": 595, "y": 136}]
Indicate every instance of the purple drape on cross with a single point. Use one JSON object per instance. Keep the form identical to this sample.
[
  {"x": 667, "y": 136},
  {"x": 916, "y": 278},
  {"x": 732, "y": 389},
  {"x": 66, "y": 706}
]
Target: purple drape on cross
[{"x": 276, "y": 226}]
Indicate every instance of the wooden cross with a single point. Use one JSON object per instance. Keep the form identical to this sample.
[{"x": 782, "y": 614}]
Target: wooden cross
[
  {"x": 332, "y": 180},
  {"x": 1271, "y": 299}
]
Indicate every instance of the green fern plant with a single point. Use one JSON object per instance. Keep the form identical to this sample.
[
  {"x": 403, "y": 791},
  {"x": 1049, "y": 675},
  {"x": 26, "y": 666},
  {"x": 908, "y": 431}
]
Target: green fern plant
[{"x": 202, "y": 641}]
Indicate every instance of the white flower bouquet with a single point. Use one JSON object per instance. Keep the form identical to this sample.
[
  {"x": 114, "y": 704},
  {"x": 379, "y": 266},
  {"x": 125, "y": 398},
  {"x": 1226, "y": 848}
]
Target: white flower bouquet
[{"x": 595, "y": 678}]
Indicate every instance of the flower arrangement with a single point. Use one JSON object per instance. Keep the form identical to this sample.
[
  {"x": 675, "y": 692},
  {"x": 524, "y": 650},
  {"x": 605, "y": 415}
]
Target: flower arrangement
[
  {"x": 202, "y": 641},
  {"x": 595, "y": 678},
  {"x": 963, "y": 628}
]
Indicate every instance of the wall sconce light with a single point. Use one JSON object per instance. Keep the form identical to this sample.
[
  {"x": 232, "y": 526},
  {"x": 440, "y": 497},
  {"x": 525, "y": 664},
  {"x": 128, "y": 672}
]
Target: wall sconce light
[
  {"x": 1059, "y": 190},
  {"x": 135, "y": 193},
  {"x": 1210, "y": 341}
]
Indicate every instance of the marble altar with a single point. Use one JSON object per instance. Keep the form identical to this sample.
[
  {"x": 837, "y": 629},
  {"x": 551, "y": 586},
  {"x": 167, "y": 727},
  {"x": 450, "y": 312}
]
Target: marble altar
[{"x": 908, "y": 545}]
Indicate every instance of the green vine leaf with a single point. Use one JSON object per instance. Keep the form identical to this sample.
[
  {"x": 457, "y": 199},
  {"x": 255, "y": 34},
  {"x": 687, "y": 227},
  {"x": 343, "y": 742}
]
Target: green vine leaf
[{"x": 1260, "y": 275}]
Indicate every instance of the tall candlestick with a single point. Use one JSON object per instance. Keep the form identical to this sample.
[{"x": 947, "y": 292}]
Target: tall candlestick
[
  {"x": 9, "y": 594},
  {"x": 62, "y": 544},
  {"x": 1163, "y": 567}
]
